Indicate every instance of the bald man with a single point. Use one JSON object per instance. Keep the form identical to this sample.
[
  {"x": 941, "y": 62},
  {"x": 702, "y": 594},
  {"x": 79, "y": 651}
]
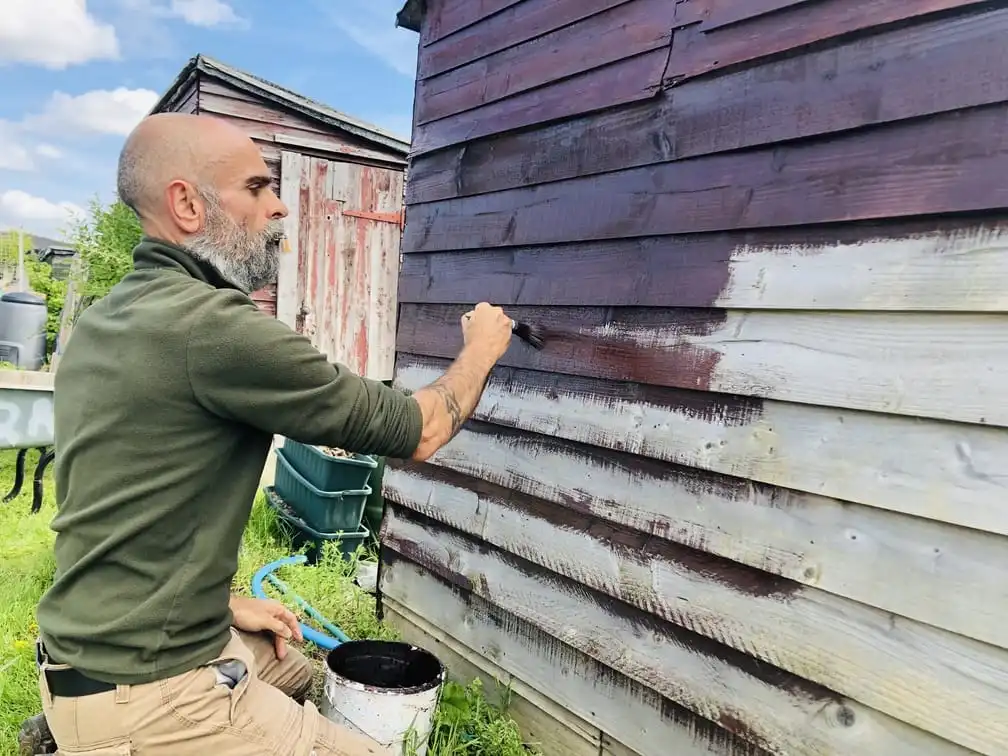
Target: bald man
[{"x": 167, "y": 398}]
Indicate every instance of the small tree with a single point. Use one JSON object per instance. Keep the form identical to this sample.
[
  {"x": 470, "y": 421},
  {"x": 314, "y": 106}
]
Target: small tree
[
  {"x": 105, "y": 239},
  {"x": 41, "y": 281}
]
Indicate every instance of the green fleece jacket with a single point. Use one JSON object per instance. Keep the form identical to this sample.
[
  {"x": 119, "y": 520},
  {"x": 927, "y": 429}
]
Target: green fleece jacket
[{"x": 166, "y": 399}]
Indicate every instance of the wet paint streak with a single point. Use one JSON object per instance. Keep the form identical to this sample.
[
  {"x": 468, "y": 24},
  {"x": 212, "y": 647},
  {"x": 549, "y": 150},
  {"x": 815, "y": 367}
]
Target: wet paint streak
[
  {"x": 633, "y": 545},
  {"x": 562, "y": 656},
  {"x": 729, "y": 410},
  {"x": 599, "y": 342},
  {"x": 634, "y": 621}
]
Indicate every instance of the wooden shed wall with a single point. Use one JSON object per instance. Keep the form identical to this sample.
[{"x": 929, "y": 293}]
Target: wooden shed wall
[
  {"x": 275, "y": 129},
  {"x": 749, "y": 498}
]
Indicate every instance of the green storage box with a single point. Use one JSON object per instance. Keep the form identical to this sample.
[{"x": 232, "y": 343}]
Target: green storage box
[
  {"x": 304, "y": 536},
  {"x": 329, "y": 473},
  {"x": 325, "y": 511}
]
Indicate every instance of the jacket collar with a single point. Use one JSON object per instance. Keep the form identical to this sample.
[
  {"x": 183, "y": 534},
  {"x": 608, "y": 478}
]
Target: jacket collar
[{"x": 153, "y": 253}]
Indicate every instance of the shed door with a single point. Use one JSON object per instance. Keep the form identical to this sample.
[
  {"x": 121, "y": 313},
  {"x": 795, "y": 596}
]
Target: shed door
[{"x": 338, "y": 282}]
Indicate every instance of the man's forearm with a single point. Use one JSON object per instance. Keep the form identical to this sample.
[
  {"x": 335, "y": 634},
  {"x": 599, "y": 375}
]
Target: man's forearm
[{"x": 450, "y": 400}]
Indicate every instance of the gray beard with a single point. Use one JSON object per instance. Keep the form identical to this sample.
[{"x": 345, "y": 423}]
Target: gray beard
[
  {"x": 249, "y": 261},
  {"x": 257, "y": 270}
]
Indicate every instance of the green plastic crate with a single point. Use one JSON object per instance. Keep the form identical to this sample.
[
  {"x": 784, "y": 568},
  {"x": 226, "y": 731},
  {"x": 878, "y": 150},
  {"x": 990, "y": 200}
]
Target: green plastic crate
[
  {"x": 329, "y": 473},
  {"x": 302, "y": 534},
  {"x": 325, "y": 511}
]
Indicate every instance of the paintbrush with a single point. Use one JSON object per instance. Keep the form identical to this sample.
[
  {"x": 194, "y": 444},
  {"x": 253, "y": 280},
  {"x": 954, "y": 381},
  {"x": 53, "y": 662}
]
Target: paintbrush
[{"x": 530, "y": 334}]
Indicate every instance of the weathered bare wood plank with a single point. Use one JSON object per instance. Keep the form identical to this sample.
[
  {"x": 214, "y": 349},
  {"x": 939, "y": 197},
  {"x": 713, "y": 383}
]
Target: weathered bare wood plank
[
  {"x": 294, "y": 172},
  {"x": 942, "y": 366},
  {"x": 630, "y": 80},
  {"x": 763, "y": 704},
  {"x": 549, "y": 727},
  {"x": 867, "y": 81},
  {"x": 622, "y": 32},
  {"x": 929, "y": 265},
  {"x": 698, "y": 52},
  {"x": 929, "y": 678},
  {"x": 953, "y": 578},
  {"x": 511, "y": 26},
  {"x": 949, "y": 163},
  {"x": 622, "y": 707}
]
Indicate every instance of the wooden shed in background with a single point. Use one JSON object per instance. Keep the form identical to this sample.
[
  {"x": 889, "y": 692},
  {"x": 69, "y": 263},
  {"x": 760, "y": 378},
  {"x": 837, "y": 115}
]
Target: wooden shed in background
[
  {"x": 342, "y": 181},
  {"x": 751, "y": 497}
]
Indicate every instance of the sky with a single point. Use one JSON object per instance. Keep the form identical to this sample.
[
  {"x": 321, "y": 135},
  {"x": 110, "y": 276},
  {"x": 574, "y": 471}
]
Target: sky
[{"x": 77, "y": 75}]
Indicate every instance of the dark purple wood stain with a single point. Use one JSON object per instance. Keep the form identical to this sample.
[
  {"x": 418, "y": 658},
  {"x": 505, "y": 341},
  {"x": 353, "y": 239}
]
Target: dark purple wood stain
[
  {"x": 572, "y": 348},
  {"x": 632, "y": 545},
  {"x": 637, "y": 622},
  {"x": 630, "y": 80},
  {"x": 691, "y": 270},
  {"x": 699, "y": 51},
  {"x": 563, "y": 656},
  {"x": 860, "y": 83},
  {"x": 512, "y": 26},
  {"x": 602, "y": 199},
  {"x": 623, "y": 32},
  {"x": 445, "y": 17},
  {"x": 954, "y": 162}
]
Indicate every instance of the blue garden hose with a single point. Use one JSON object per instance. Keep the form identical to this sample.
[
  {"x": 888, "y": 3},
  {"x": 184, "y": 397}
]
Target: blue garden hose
[{"x": 328, "y": 642}]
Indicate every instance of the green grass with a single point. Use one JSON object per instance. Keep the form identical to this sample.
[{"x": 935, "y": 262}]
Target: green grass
[{"x": 466, "y": 724}]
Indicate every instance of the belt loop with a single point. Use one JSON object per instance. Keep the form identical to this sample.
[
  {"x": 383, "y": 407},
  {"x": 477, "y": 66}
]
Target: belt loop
[{"x": 122, "y": 695}]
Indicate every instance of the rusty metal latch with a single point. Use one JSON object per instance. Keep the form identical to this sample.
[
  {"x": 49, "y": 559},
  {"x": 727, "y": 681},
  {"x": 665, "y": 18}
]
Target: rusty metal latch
[{"x": 398, "y": 218}]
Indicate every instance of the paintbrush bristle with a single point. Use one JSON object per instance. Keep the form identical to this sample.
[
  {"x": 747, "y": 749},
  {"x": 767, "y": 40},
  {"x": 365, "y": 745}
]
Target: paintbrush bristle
[{"x": 530, "y": 334}]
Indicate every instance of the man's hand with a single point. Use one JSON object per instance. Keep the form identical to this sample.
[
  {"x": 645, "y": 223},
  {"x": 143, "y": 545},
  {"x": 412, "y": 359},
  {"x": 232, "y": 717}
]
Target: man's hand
[
  {"x": 263, "y": 615},
  {"x": 488, "y": 329}
]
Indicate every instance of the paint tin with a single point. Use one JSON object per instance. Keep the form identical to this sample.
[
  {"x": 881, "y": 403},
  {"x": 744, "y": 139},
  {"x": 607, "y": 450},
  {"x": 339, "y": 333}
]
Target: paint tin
[{"x": 386, "y": 690}]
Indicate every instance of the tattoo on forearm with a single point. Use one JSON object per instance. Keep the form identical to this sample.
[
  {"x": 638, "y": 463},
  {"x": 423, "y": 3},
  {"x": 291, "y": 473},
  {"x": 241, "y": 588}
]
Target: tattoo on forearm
[{"x": 452, "y": 406}]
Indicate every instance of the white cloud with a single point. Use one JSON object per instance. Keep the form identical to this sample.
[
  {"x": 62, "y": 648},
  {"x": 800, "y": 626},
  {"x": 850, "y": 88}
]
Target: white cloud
[
  {"x": 54, "y": 34},
  {"x": 48, "y": 151},
  {"x": 206, "y": 13},
  {"x": 14, "y": 156},
  {"x": 36, "y": 214},
  {"x": 373, "y": 28},
  {"x": 100, "y": 111}
]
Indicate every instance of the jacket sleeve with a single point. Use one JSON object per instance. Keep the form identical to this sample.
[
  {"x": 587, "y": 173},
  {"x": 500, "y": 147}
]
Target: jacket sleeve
[{"x": 250, "y": 368}]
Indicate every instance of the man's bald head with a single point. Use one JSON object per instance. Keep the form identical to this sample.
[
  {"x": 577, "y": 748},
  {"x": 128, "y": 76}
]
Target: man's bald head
[
  {"x": 167, "y": 147},
  {"x": 201, "y": 183}
]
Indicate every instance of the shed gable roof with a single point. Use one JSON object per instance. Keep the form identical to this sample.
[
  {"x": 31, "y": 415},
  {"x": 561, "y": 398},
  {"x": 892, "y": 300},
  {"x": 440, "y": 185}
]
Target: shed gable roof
[{"x": 275, "y": 94}]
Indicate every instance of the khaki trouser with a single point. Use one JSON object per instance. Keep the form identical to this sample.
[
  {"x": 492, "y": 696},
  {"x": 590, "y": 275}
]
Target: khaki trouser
[{"x": 202, "y": 713}]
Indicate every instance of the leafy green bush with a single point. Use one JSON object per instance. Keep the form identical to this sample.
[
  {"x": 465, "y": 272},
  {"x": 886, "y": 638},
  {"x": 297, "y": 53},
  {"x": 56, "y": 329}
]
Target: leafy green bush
[
  {"x": 105, "y": 239},
  {"x": 41, "y": 281}
]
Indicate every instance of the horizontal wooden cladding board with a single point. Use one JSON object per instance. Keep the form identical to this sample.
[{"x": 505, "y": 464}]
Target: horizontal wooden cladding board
[
  {"x": 950, "y": 577},
  {"x": 726, "y": 39},
  {"x": 622, "y": 32},
  {"x": 444, "y": 17},
  {"x": 718, "y": 13},
  {"x": 647, "y": 722},
  {"x": 762, "y": 704},
  {"x": 511, "y": 26},
  {"x": 629, "y": 80},
  {"x": 953, "y": 266},
  {"x": 954, "y": 162},
  {"x": 858, "y": 83},
  {"x": 939, "y": 365},
  {"x": 930, "y": 678},
  {"x": 543, "y": 723}
]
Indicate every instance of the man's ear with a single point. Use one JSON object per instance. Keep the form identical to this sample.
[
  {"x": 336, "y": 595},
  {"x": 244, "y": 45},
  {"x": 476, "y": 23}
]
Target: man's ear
[{"x": 185, "y": 207}]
